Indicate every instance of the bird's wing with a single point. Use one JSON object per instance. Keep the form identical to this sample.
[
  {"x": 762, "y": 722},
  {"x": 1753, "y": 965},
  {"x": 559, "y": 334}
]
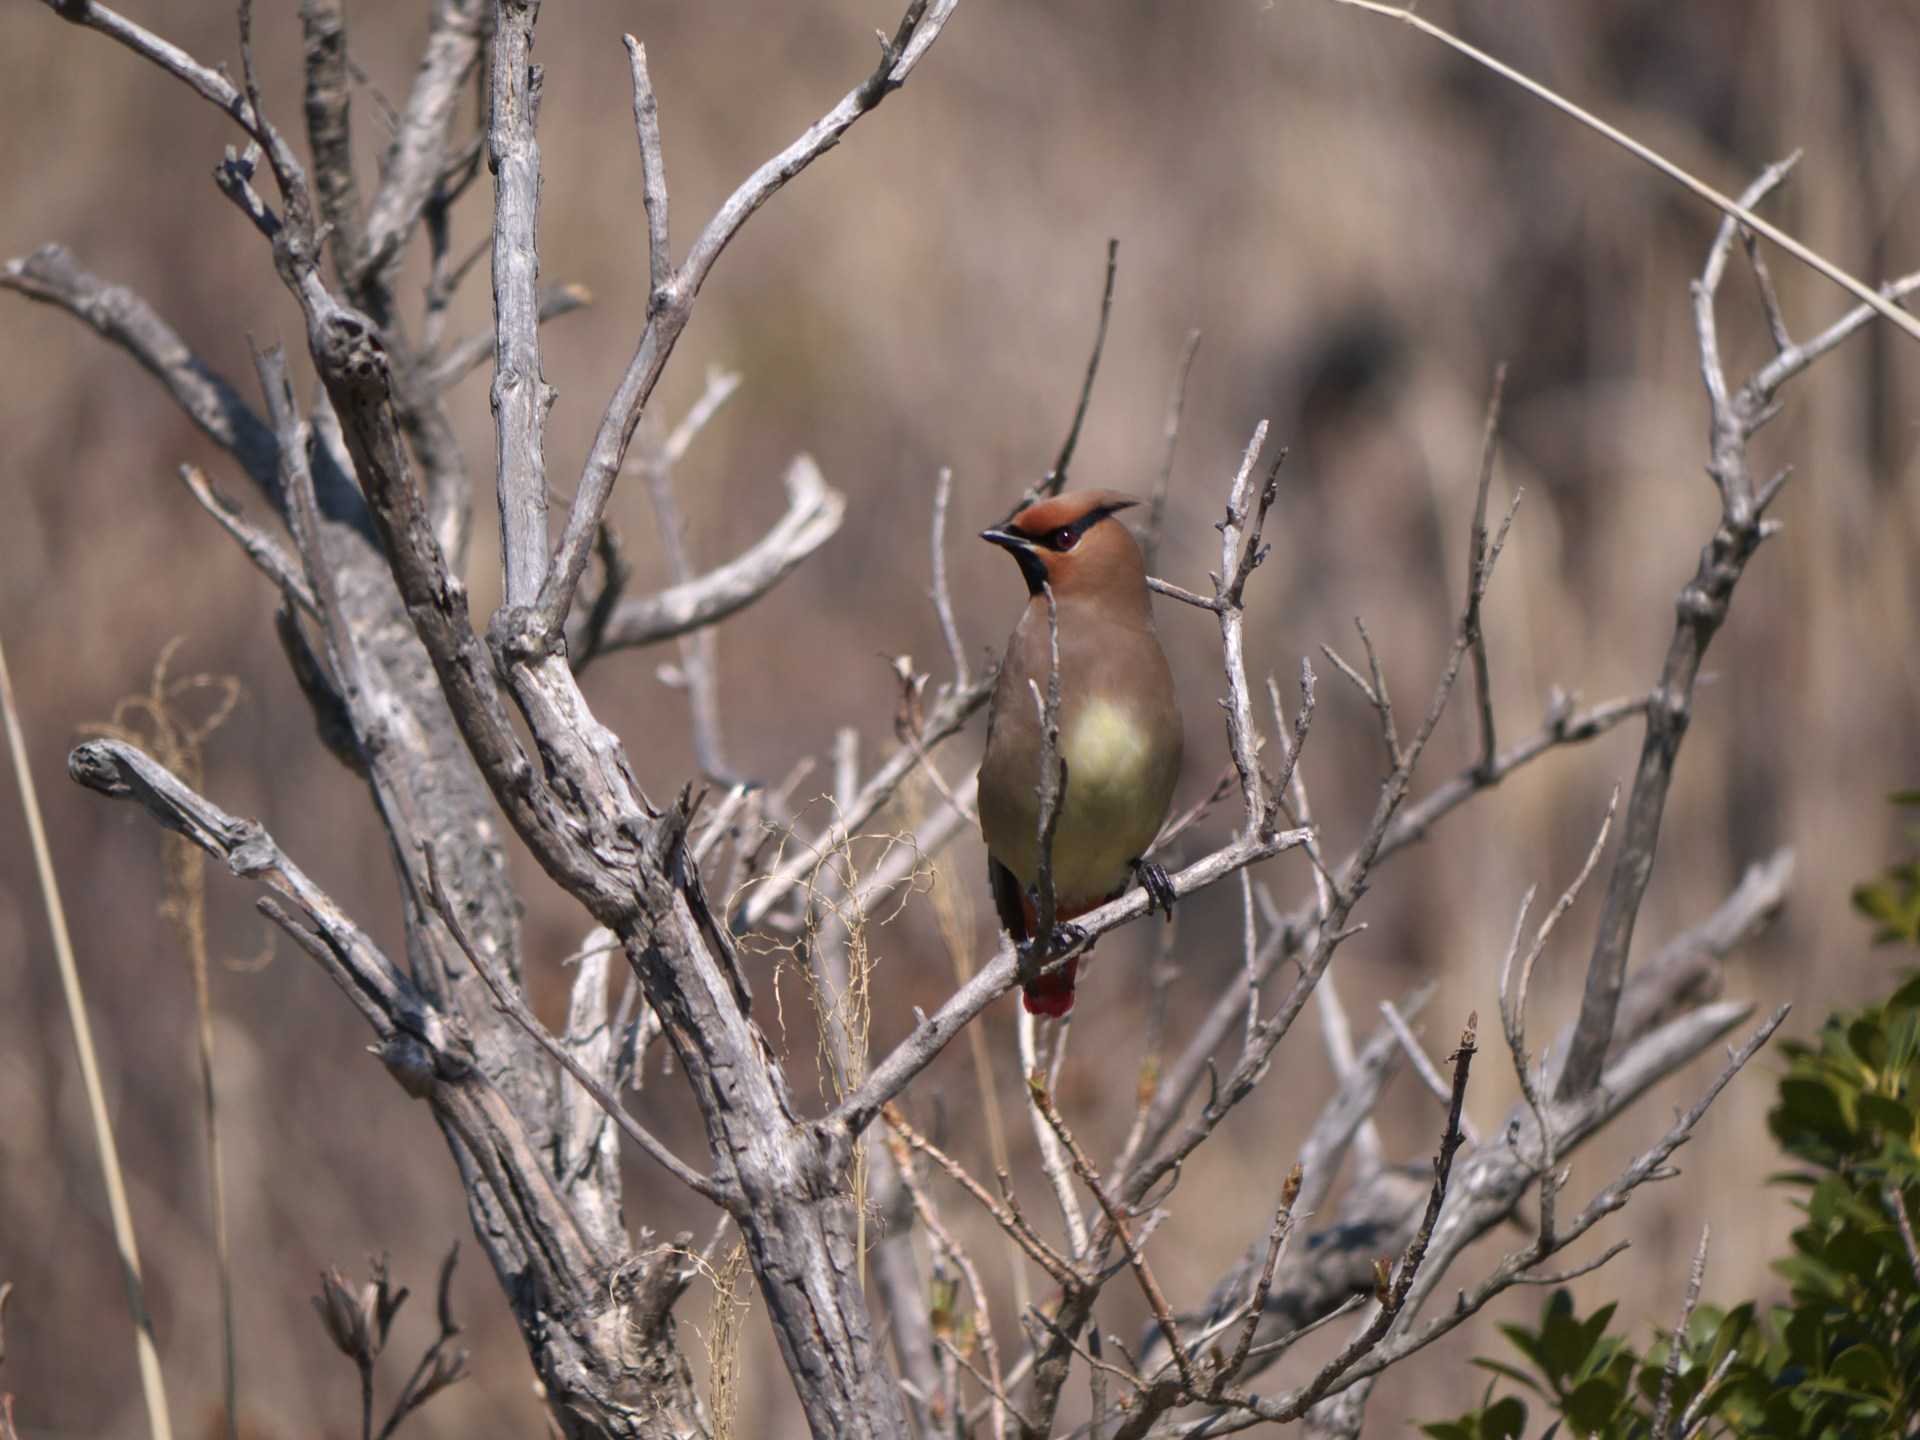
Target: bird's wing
[{"x": 1007, "y": 899}]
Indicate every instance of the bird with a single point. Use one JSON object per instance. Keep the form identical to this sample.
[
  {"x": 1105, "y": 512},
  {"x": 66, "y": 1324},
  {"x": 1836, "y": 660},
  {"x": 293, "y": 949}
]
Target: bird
[{"x": 1119, "y": 719}]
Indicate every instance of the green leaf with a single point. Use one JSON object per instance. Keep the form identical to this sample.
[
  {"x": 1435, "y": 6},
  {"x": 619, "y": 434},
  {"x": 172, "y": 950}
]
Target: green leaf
[
  {"x": 1907, "y": 997},
  {"x": 1866, "y": 1039},
  {"x": 1505, "y": 1421},
  {"x": 1508, "y": 1372},
  {"x": 1590, "y": 1405},
  {"x": 1809, "y": 1110},
  {"x": 1862, "y": 1367},
  {"x": 1893, "y": 903}
]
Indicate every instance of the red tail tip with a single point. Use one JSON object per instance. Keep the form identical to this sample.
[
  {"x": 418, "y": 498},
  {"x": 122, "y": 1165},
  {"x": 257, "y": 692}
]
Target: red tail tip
[{"x": 1051, "y": 995}]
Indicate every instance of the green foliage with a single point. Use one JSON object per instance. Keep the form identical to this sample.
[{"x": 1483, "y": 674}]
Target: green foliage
[
  {"x": 1892, "y": 902},
  {"x": 1842, "y": 1358}
]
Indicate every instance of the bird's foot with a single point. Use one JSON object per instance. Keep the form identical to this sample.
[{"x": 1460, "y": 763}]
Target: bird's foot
[
  {"x": 1158, "y": 885},
  {"x": 1035, "y": 952}
]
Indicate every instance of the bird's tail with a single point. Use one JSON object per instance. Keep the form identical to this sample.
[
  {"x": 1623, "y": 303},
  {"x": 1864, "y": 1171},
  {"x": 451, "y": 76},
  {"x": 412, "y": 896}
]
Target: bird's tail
[{"x": 1051, "y": 995}]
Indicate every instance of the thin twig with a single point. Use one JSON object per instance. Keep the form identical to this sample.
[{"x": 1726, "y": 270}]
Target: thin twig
[
  {"x": 1704, "y": 604},
  {"x": 1382, "y": 701},
  {"x": 1053, "y": 1159},
  {"x": 1052, "y": 787},
  {"x": 1663, "y": 1410},
  {"x": 1393, "y": 1293},
  {"x": 1277, "y": 1237},
  {"x": 699, "y": 663},
  {"x": 516, "y": 1009},
  {"x": 671, "y": 303},
  {"x": 1176, "y": 406},
  {"x": 653, "y": 168},
  {"x": 1007, "y": 1216},
  {"x": 1241, "y": 551},
  {"x": 1554, "y": 1278},
  {"x": 1423, "y": 1065},
  {"x": 1476, "y": 568},
  {"x": 1666, "y": 167},
  {"x": 944, "y": 1239},
  {"x": 1337, "y": 1034},
  {"x": 1136, "y": 1258},
  {"x": 266, "y": 553},
  {"x": 1897, "y": 1207},
  {"x": 1056, "y": 478},
  {"x": 942, "y": 596},
  {"x": 1769, "y": 297}
]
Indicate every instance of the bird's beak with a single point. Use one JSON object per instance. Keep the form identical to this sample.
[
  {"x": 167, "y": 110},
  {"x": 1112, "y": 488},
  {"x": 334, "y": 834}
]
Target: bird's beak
[
  {"x": 1007, "y": 539},
  {"x": 1033, "y": 568}
]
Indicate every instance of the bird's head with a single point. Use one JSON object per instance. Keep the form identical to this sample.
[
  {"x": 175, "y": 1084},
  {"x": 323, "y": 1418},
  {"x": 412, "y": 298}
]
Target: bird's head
[{"x": 1073, "y": 543}]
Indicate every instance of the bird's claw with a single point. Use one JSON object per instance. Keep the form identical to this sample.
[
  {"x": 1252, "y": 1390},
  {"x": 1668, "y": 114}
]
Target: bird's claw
[
  {"x": 1066, "y": 936},
  {"x": 1158, "y": 885}
]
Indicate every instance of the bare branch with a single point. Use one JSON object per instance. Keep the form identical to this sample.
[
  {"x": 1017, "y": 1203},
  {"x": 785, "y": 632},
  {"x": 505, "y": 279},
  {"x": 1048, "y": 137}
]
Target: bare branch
[
  {"x": 813, "y": 516},
  {"x": 698, "y": 662},
  {"x": 385, "y": 997},
  {"x": 1277, "y": 1237},
  {"x": 672, "y": 303},
  {"x": 653, "y": 170},
  {"x": 918, "y": 1049},
  {"x": 124, "y": 319},
  {"x": 1796, "y": 358},
  {"x": 1240, "y": 552},
  {"x": 266, "y": 553},
  {"x": 1702, "y": 609},
  {"x": 1053, "y": 1156},
  {"x": 1337, "y": 1034},
  {"x": 951, "y": 1248},
  {"x": 210, "y": 84},
  {"x": 944, "y": 721},
  {"x": 415, "y": 158},
  {"x": 1180, "y": 593},
  {"x": 1769, "y": 297},
  {"x": 1392, "y": 1295},
  {"x": 1562, "y": 727},
  {"x": 1007, "y": 1216},
  {"x": 323, "y": 27},
  {"x": 512, "y": 1005},
  {"x": 520, "y": 394},
  {"x": 1658, "y": 1054},
  {"x": 464, "y": 356},
  {"x": 1136, "y": 1258}
]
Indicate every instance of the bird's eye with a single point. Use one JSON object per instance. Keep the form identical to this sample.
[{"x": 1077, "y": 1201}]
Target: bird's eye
[{"x": 1064, "y": 538}]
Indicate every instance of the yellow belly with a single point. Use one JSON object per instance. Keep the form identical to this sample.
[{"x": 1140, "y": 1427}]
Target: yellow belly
[{"x": 1115, "y": 801}]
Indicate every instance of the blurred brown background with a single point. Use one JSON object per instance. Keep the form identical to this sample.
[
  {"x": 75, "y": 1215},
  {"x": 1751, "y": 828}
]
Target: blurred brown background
[{"x": 1361, "y": 224}]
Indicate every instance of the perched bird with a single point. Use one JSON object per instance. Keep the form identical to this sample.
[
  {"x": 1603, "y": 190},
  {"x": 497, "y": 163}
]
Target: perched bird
[{"x": 1119, "y": 724}]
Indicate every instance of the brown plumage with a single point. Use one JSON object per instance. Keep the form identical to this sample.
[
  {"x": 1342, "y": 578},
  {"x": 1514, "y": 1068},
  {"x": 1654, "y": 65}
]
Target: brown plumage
[{"x": 1119, "y": 721}]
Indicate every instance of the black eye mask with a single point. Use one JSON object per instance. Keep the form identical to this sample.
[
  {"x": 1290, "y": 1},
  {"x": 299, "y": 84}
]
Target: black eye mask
[{"x": 1064, "y": 537}]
